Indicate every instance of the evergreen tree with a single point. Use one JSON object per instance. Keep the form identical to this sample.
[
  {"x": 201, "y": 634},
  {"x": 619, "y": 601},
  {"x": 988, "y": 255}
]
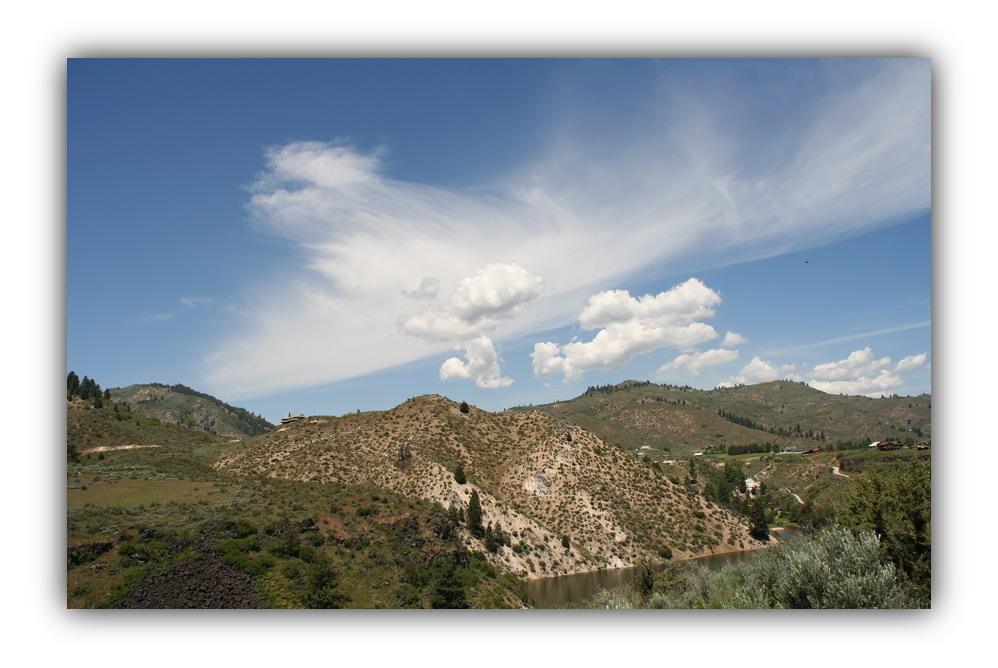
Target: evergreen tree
[
  {"x": 474, "y": 515},
  {"x": 757, "y": 516},
  {"x": 459, "y": 476},
  {"x": 464, "y": 407},
  {"x": 491, "y": 544},
  {"x": 72, "y": 384}
]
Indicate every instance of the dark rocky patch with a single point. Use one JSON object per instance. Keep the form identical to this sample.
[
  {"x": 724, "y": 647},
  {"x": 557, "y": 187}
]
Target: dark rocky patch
[{"x": 204, "y": 583}]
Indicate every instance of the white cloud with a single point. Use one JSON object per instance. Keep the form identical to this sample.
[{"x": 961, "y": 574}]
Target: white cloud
[
  {"x": 911, "y": 363},
  {"x": 428, "y": 289},
  {"x": 482, "y": 365},
  {"x": 861, "y": 373},
  {"x": 480, "y": 303},
  {"x": 686, "y": 302},
  {"x": 860, "y": 363},
  {"x": 675, "y": 190},
  {"x": 760, "y": 371},
  {"x": 631, "y": 327},
  {"x": 732, "y": 339},
  {"x": 693, "y": 362}
]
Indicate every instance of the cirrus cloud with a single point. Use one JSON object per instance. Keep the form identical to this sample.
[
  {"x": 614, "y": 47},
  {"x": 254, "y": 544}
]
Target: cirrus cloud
[{"x": 676, "y": 189}]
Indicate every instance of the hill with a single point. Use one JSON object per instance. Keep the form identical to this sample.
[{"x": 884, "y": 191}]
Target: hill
[
  {"x": 562, "y": 499},
  {"x": 666, "y": 420},
  {"x": 181, "y": 405},
  {"x": 151, "y": 524}
]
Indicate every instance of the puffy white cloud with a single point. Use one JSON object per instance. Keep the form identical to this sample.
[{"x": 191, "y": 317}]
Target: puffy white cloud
[
  {"x": 911, "y": 363},
  {"x": 482, "y": 365},
  {"x": 861, "y": 373},
  {"x": 732, "y": 339},
  {"x": 760, "y": 371},
  {"x": 547, "y": 359},
  {"x": 686, "y": 302},
  {"x": 860, "y": 363},
  {"x": 631, "y": 327},
  {"x": 480, "y": 303},
  {"x": 693, "y": 362}
]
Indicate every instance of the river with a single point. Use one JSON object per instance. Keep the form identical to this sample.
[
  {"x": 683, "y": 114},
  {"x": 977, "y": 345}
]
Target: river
[{"x": 552, "y": 592}]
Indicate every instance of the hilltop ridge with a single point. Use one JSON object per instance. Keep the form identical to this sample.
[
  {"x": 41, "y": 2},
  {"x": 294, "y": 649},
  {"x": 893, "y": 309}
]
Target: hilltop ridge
[
  {"x": 680, "y": 420},
  {"x": 186, "y": 407}
]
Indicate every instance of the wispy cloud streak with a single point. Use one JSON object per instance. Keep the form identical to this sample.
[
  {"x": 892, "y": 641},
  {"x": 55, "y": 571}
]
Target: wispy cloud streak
[{"x": 674, "y": 194}]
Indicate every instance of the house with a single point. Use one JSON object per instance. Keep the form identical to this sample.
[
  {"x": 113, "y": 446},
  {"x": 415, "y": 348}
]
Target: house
[
  {"x": 291, "y": 418},
  {"x": 887, "y": 445}
]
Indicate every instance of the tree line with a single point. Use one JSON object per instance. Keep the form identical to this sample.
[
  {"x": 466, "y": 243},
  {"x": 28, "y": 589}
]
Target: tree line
[{"x": 86, "y": 389}]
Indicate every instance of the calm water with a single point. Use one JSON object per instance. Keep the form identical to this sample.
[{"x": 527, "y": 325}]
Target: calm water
[{"x": 552, "y": 592}]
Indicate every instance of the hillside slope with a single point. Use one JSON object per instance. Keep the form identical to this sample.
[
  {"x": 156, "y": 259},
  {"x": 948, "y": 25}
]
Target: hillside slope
[
  {"x": 543, "y": 483},
  {"x": 681, "y": 420},
  {"x": 181, "y": 405}
]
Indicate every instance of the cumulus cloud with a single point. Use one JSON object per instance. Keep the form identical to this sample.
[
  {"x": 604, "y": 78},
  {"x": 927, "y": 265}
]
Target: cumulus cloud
[
  {"x": 631, "y": 327},
  {"x": 480, "y": 303},
  {"x": 861, "y": 373},
  {"x": 732, "y": 339},
  {"x": 693, "y": 362},
  {"x": 676, "y": 186},
  {"x": 482, "y": 365},
  {"x": 759, "y": 371}
]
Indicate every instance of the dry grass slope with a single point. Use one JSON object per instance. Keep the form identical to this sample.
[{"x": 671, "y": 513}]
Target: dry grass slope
[{"x": 537, "y": 479}]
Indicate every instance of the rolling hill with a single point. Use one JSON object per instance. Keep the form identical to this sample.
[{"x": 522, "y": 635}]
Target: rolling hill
[
  {"x": 567, "y": 501},
  {"x": 183, "y": 406},
  {"x": 670, "y": 420}
]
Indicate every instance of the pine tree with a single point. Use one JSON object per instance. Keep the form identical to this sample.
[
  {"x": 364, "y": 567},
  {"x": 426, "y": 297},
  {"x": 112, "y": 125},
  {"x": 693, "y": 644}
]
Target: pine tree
[
  {"x": 459, "y": 476},
  {"x": 72, "y": 384},
  {"x": 474, "y": 515}
]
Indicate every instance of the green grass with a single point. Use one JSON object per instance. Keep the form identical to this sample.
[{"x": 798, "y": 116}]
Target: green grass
[{"x": 129, "y": 492}]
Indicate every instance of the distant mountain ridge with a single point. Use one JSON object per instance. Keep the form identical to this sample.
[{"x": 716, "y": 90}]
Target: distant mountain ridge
[
  {"x": 786, "y": 414},
  {"x": 184, "y": 406}
]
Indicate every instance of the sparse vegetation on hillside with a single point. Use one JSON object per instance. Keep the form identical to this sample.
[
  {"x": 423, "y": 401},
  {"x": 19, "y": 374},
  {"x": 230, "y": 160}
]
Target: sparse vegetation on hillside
[
  {"x": 183, "y": 406},
  {"x": 773, "y": 416},
  {"x": 534, "y": 479},
  {"x": 426, "y": 505}
]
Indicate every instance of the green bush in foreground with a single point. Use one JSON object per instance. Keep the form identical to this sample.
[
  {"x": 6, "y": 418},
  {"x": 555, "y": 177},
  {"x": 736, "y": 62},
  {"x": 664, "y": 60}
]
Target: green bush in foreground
[{"x": 833, "y": 569}]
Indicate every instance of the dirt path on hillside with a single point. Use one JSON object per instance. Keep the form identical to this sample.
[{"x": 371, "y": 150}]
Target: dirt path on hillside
[
  {"x": 836, "y": 471},
  {"x": 799, "y": 500},
  {"x": 108, "y": 448}
]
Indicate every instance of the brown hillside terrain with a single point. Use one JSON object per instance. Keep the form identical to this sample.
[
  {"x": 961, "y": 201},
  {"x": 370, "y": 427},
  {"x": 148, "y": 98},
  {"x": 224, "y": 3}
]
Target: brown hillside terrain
[
  {"x": 680, "y": 420},
  {"x": 538, "y": 479}
]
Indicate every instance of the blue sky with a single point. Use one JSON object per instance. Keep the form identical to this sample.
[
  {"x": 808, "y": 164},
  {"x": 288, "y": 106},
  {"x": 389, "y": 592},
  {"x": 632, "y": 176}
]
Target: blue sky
[{"x": 333, "y": 235}]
